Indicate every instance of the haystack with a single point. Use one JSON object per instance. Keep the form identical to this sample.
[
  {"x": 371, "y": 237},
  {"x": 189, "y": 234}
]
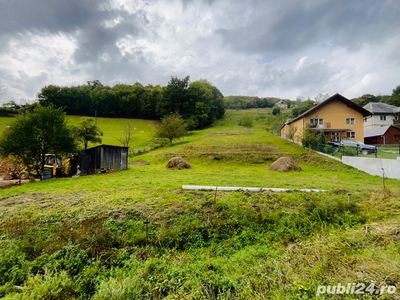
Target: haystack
[
  {"x": 285, "y": 164},
  {"x": 177, "y": 163},
  {"x": 139, "y": 163}
]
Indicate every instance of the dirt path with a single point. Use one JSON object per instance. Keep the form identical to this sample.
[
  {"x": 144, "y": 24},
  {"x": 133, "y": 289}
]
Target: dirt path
[{"x": 5, "y": 184}]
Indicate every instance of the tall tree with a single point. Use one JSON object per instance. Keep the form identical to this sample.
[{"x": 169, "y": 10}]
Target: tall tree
[
  {"x": 175, "y": 98},
  {"x": 127, "y": 136},
  {"x": 42, "y": 131},
  {"x": 395, "y": 98},
  {"x": 87, "y": 132}
]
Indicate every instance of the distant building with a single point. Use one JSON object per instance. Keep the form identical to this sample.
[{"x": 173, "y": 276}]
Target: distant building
[
  {"x": 282, "y": 104},
  {"x": 385, "y": 135},
  {"x": 382, "y": 114}
]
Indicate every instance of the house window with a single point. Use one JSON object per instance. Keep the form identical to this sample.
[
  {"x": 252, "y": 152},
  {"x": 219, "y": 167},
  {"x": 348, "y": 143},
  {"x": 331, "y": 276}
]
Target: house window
[
  {"x": 397, "y": 138},
  {"x": 350, "y": 121},
  {"x": 351, "y": 135},
  {"x": 315, "y": 122},
  {"x": 383, "y": 118}
]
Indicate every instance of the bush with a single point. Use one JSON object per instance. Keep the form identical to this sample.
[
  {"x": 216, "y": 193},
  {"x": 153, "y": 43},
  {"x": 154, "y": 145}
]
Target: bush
[
  {"x": 310, "y": 139},
  {"x": 276, "y": 111},
  {"x": 329, "y": 149},
  {"x": 348, "y": 151},
  {"x": 246, "y": 122}
]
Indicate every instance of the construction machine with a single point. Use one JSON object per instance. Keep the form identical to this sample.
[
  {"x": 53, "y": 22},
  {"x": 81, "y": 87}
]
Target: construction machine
[{"x": 52, "y": 163}]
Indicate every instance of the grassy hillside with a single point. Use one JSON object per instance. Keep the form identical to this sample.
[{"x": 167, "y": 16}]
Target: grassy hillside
[
  {"x": 80, "y": 238},
  {"x": 112, "y": 129}
]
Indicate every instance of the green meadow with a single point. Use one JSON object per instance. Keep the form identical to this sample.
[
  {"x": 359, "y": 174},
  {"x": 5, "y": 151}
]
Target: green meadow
[{"x": 136, "y": 234}]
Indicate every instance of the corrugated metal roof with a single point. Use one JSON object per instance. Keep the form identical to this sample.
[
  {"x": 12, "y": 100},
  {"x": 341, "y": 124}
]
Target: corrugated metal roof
[
  {"x": 376, "y": 131},
  {"x": 380, "y": 108}
]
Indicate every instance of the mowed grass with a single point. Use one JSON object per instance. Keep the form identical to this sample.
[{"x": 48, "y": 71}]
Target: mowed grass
[{"x": 234, "y": 168}]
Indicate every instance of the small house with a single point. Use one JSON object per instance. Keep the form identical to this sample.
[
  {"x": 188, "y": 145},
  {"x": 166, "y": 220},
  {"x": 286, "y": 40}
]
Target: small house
[
  {"x": 282, "y": 104},
  {"x": 93, "y": 160},
  {"x": 385, "y": 135}
]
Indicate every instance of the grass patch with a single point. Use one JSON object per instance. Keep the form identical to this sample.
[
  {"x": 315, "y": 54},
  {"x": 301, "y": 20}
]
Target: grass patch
[{"x": 86, "y": 237}]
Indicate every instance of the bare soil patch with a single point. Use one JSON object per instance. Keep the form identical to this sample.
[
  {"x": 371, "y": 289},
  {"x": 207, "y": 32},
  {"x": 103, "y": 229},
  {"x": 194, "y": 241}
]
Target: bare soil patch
[
  {"x": 5, "y": 184},
  {"x": 177, "y": 163},
  {"x": 285, "y": 164},
  {"x": 139, "y": 163}
]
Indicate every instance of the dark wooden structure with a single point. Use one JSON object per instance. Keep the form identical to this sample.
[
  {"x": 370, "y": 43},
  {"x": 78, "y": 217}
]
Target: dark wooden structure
[
  {"x": 385, "y": 135},
  {"x": 92, "y": 160}
]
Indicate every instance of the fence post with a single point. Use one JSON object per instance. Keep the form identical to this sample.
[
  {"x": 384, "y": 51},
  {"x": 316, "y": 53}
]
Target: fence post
[{"x": 376, "y": 151}]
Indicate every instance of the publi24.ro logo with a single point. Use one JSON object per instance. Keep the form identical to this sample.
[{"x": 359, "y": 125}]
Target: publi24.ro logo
[{"x": 355, "y": 288}]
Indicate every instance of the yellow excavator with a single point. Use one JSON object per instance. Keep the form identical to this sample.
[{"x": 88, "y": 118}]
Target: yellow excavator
[{"x": 53, "y": 163}]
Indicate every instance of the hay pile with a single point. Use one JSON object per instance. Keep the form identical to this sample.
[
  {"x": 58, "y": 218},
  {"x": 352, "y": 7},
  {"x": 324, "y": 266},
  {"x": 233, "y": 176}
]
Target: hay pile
[
  {"x": 177, "y": 163},
  {"x": 139, "y": 163},
  {"x": 284, "y": 164}
]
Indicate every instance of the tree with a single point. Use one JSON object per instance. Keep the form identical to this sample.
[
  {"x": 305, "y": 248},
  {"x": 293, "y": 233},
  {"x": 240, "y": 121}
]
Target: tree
[
  {"x": 291, "y": 135},
  {"x": 395, "y": 98},
  {"x": 322, "y": 142},
  {"x": 276, "y": 111},
  {"x": 302, "y": 108},
  {"x": 128, "y": 136},
  {"x": 33, "y": 135},
  {"x": 175, "y": 98},
  {"x": 87, "y": 132},
  {"x": 310, "y": 139},
  {"x": 172, "y": 127},
  {"x": 321, "y": 97}
]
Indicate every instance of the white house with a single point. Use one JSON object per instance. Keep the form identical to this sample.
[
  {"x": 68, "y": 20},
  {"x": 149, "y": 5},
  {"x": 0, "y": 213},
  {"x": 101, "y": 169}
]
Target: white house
[
  {"x": 382, "y": 115},
  {"x": 282, "y": 104}
]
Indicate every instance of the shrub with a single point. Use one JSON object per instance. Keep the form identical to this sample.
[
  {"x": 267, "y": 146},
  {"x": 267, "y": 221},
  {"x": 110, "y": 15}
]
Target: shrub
[
  {"x": 329, "y": 149},
  {"x": 349, "y": 151},
  {"x": 310, "y": 139},
  {"x": 246, "y": 122},
  {"x": 276, "y": 111}
]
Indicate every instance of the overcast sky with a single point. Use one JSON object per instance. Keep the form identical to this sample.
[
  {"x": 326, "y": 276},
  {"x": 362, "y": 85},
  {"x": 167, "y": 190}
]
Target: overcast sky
[{"x": 256, "y": 48}]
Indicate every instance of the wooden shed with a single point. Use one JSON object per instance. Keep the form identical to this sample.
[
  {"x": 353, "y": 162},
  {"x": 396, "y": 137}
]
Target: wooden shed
[
  {"x": 94, "y": 159},
  {"x": 385, "y": 135}
]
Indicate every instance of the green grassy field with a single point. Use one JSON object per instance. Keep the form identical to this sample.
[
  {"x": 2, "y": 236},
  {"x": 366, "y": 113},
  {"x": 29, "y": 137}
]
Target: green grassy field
[
  {"x": 85, "y": 238},
  {"x": 112, "y": 130}
]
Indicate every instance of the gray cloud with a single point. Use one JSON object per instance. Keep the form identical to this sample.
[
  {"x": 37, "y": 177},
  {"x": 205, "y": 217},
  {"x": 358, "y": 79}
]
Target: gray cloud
[
  {"x": 265, "y": 48},
  {"x": 303, "y": 23}
]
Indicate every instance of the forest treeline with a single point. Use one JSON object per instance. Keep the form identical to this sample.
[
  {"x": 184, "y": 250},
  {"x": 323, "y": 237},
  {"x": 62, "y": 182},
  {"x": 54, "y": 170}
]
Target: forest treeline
[
  {"x": 199, "y": 102},
  {"x": 245, "y": 102},
  {"x": 393, "y": 99}
]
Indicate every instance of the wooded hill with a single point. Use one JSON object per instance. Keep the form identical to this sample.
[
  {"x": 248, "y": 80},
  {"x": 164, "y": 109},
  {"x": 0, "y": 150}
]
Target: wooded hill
[{"x": 199, "y": 102}]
